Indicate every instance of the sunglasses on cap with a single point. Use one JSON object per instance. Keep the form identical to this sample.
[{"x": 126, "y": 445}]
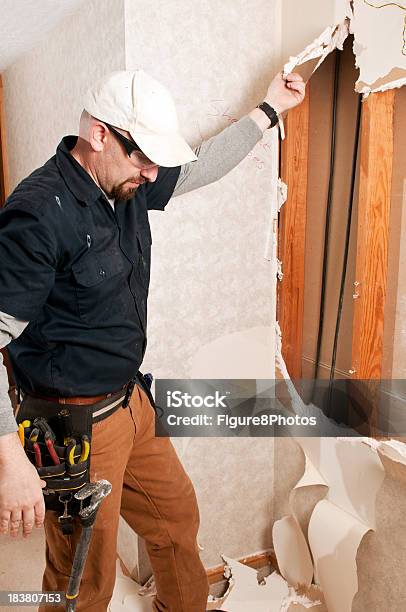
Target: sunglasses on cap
[{"x": 129, "y": 145}]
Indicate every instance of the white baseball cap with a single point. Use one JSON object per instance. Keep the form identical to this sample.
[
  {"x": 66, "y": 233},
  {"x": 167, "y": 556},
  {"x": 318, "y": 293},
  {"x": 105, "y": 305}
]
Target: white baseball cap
[{"x": 137, "y": 103}]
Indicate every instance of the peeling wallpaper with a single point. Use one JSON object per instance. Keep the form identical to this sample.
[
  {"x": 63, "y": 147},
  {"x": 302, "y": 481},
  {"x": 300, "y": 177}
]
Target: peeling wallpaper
[
  {"x": 44, "y": 87},
  {"x": 211, "y": 284}
]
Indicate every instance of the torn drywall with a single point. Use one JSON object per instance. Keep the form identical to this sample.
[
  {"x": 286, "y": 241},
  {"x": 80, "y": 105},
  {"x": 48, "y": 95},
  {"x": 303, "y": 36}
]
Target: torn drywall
[
  {"x": 379, "y": 29},
  {"x": 314, "y": 55},
  {"x": 292, "y": 552},
  {"x": 247, "y": 594},
  {"x": 298, "y": 601},
  {"x": 392, "y": 453},
  {"x": 354, "y": 475},
  {"x": 352, "y": 471},
  {"x": 310, "y": 477},
  {"x": 279, "y": 269},
  {"x": 282, "y": 193},
  {"x": 334, "y": 551},
  {"x": 272, "y": 594},
  {"x": 126, "y": 597}
]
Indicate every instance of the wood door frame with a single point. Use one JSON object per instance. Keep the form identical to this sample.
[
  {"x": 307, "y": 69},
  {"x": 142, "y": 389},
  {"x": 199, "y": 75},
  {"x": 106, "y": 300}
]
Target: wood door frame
[
  {"x": 292, "y": 236},
  {"x": 376, "y": 156}
]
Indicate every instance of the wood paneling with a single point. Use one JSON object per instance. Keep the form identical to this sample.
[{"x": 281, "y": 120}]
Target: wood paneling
[
  {"x": 292, "y": 236},
  {"x": 373, "y": 234}
]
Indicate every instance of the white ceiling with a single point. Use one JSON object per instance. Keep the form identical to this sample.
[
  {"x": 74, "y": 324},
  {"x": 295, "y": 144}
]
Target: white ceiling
[{"x": 23, "y": 23}]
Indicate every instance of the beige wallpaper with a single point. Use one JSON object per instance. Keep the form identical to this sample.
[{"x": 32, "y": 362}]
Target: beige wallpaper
[
  {"x": 44, "y": 87},
  {"x": 312, "y": 15},
  {"x": 213, "y": 291},
  {"x": 212, "y": 288}
]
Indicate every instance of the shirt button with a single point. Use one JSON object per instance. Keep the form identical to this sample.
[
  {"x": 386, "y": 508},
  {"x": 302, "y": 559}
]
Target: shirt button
[{"x": 102, "y": 272}]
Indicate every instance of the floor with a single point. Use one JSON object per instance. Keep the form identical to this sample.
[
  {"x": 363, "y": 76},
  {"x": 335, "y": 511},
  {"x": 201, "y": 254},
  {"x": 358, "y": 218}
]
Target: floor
[{"x": 22, "y": 563}]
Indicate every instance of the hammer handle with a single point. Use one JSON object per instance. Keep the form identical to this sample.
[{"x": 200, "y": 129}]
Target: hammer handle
[{"x": 77, "y": 568}]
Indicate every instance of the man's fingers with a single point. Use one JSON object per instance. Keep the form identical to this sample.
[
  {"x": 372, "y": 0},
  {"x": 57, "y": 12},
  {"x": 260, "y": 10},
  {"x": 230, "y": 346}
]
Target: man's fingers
[
  {"x": 296, "y": 86},
  {"x": 4, "y": 522},
  {"x": 39, "y": 511},
  {"x": 293, "y": 77},
  {"x": 28, "y": 522},
  {"x": 15, "y": 522}
]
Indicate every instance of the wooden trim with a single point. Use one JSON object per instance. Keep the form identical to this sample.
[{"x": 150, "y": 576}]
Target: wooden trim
[
  {"x": 292, "y": 236},
  {"x": 216, "y": 574},
  {"x": 4, "y": 179},
  {"x": 376, "y": 158}
]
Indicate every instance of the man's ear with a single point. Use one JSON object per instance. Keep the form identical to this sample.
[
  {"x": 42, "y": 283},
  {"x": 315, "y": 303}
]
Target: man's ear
[{"x": 98, "y": 136}]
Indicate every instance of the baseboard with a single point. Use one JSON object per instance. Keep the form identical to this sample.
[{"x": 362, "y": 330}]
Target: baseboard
[{"x": 216, "y": 574}]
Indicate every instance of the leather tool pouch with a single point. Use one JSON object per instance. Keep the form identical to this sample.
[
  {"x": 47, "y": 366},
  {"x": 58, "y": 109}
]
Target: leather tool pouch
[{"x": 66, "y": 478}]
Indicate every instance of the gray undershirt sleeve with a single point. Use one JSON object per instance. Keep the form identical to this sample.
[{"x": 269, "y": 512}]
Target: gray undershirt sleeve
[
  {"x": 218, "y": 155},
  {"x": 10, "y": 328}
]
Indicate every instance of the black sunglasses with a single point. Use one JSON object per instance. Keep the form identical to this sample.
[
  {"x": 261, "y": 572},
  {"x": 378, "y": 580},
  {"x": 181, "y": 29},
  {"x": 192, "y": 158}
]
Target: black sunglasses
[{"x": 129, "y": 145}]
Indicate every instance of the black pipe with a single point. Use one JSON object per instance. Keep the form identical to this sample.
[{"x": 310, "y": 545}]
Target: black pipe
[
  {"x": 347, "y": 239},
  {"x": 327, "y": 216}
]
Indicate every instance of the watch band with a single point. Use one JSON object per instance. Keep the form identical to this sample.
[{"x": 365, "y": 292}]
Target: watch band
[{"x": 270, "y": 113}]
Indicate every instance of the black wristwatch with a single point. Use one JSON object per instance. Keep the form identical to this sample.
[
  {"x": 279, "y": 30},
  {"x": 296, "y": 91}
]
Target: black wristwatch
[{"x": 270, "y": 113}]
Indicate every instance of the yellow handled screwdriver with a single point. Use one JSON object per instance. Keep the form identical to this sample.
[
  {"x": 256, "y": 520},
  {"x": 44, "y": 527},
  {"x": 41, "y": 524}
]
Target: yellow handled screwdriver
[{"x": 21, "y": 429}]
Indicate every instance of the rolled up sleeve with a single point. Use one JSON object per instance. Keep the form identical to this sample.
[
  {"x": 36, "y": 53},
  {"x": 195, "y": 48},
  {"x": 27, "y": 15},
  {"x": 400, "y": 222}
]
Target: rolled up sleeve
[{"x": 28, "y": 256}]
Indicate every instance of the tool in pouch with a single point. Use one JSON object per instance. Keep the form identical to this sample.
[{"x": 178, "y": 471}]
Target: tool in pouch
[
  {"x": 94, "y": 493},
  {"x": 57, "y": 440},
  {"x": 62, "y": 459},
  {"x": 61, "y": 456}
]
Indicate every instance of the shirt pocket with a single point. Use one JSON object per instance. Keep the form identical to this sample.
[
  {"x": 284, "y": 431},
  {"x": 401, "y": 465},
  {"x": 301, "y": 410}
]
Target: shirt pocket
[{"x": 101, "y": 287}]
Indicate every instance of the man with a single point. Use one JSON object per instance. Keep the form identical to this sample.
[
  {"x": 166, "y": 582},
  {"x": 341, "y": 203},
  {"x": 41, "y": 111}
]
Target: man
[{"x": 75, "y": 254}]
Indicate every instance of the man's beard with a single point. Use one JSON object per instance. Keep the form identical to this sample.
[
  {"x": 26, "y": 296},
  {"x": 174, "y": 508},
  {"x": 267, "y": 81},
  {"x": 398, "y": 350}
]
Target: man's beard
[{"x": 123, "y": 193}]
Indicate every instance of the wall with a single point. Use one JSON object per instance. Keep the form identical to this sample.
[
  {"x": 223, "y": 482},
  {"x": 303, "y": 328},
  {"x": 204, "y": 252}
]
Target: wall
[
  {"x": 44, "y": 87},
  {"x": 380, "y": 557},
  {"x": 212, "y": 288},
  {"x": 212, "y": 300},
  {"x": 313, "y": 16}
]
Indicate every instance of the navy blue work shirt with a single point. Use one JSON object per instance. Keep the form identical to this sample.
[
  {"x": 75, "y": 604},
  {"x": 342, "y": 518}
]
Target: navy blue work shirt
[{"x": 78, "y": 271}]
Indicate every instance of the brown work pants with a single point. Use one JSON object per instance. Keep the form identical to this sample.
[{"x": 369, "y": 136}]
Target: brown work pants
[{"x": 155, "y": 496}]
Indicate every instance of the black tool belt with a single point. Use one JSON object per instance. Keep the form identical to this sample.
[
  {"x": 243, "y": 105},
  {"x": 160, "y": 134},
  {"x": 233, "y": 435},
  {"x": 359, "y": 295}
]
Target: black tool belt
[
  {"x": 57, "y": 441},
  {"x": 58, "y": 438}
]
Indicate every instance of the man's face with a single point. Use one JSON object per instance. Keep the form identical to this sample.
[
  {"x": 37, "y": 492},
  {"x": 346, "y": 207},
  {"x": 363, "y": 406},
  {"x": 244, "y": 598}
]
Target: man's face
[{"x": 122, "y": 174}]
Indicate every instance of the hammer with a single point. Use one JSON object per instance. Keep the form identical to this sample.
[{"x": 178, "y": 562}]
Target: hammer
[{"x": 97, "y": 491}]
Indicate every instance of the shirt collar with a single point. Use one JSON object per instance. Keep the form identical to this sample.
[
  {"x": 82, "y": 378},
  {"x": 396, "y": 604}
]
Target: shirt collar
[{"x": 78, "y": 181}]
